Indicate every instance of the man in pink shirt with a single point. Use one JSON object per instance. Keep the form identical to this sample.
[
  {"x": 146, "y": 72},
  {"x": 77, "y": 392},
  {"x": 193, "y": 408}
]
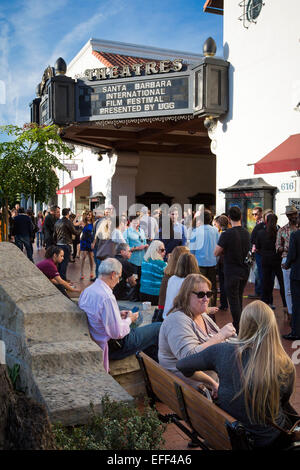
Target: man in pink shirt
[{"x": 109, "y": 327}]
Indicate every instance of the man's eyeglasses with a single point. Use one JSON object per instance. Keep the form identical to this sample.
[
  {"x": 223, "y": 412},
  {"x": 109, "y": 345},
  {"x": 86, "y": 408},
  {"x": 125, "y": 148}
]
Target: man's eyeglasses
[{"x": 202, "y": 294}]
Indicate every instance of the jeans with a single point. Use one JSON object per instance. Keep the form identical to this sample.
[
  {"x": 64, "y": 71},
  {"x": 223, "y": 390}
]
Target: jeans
[
  {"x": 234, "y": 290},
  {"x": 39, "y": 239},
  {"x": 287, "y": 287},
  {"x": 21, "y": 241},
  {"x": 270, "y": 270},
  {"x": 295, "y": 291},
  {"x": 97, "y": 263},
  {"x": 144, "y": 338},
  {"x": 62, "y": 267},
  {"x": 258, "y": 275}
]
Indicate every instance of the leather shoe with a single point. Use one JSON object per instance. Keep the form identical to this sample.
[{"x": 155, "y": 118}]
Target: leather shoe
[{"x": 291, "y": 337}]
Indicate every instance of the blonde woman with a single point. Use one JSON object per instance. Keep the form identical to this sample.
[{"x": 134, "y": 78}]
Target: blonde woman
[
  {"x": 101, "y": 231},
  {"x": 186, "y": 264},
  {"x": 152, "y": 272},
  {"x": 256, "y": 375},
  {"x": 188, "y": 329},
  {"x": 170, "y": 271}
]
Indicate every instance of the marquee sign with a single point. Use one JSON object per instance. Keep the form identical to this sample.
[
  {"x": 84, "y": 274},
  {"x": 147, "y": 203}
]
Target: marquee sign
[
  {"x": 142, "y": 97},
  {"x": 153, "y": 89}
]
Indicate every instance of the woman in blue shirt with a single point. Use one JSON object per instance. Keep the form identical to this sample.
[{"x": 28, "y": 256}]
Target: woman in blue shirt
[
  {"x": 136, "y": 239},
  {"x": 153, "y": 267}
]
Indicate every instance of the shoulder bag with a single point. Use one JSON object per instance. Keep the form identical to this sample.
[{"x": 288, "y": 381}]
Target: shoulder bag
[{"x": 106, "y": 249}]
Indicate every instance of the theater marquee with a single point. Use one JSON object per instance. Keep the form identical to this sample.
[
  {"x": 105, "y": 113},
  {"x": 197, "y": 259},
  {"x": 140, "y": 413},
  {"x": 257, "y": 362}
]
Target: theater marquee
[
  {"x": 141, "y": 97},
  {"x": 153, "y": 89}
]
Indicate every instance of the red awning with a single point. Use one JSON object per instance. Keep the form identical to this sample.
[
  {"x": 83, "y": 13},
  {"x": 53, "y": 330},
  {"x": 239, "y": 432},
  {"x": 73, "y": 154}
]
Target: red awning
[
  {"x": 285, "y": 157},
  {"x": 68, "y": 188}
]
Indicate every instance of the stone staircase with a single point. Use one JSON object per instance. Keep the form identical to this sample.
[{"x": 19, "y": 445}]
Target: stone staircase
[{"x": 47, "y": 334}]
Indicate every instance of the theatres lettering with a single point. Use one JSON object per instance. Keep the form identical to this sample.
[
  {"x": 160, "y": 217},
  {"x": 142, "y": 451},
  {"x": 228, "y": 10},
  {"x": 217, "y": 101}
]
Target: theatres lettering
[{"x": 149, "y": 68}]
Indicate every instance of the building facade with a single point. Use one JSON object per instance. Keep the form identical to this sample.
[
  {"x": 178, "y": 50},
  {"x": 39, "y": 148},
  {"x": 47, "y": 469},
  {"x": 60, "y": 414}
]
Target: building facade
[{"x": 262, "y": 44}]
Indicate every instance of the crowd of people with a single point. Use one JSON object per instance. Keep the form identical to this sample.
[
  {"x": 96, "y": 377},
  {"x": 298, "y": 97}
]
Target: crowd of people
[{"x": 179, "y": 266}]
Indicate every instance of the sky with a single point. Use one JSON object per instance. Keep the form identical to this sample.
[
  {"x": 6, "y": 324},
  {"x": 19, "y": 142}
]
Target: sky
[{"x": 33, "y": 34}]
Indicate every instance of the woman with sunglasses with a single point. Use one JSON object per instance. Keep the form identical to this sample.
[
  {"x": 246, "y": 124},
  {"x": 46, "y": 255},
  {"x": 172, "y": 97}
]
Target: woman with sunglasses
[
  {"x": 152, "y": 272},
  {"x": 187, "y": 329},
  {"x": 256, "y": 376}
]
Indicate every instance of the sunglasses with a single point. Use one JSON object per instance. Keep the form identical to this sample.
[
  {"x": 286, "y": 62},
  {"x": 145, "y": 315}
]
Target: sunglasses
[
  {"x": 162, "y": 249},
  {"x": 202, "y": 294},
  {"x": 255, "y": 214}
]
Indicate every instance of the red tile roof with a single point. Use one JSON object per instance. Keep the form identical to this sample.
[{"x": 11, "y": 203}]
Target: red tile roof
[{"x": 118, "y": 60}]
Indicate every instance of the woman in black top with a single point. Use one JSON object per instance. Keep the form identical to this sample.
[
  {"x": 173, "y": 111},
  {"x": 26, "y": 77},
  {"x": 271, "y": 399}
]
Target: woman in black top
[
  {"x": 271, "y": 261},
  {"x": 256, "y": 375}
]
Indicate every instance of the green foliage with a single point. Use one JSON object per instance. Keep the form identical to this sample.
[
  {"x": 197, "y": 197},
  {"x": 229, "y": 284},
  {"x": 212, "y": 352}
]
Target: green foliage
[
  {"x": 120, "y": 427},
  {"x": 28, "y": 162},
  {"x": 14, "y": 373}
]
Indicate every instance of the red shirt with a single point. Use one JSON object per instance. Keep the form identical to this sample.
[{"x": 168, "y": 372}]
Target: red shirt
[{"x": 48, "y": 267}]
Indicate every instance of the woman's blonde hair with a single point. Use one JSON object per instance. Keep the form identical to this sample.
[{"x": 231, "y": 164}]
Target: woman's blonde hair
[
  {"x": 103, "y": 231},
  {"x": 186, "y": 264},
  {"x": 182, "y": 300},
  {"x": 173, "y": 258},
  {"x": 152, "y": 251},
  {"x": 268, "y": 366}
]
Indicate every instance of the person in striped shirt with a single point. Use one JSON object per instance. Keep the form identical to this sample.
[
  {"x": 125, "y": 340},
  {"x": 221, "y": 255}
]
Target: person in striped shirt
[{"x": 152, "y": 272}]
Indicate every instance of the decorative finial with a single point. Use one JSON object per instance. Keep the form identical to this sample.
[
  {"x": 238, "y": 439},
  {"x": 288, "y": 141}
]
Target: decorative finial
[
  {"x": 60, "y": 66},
  {"x": 209, "y": 47}
]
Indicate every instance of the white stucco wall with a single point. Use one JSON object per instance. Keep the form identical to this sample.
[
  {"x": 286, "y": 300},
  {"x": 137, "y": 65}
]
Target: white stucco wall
[
  {"x": 264, "y": 90},
  {"x": 88, "y": 165}
]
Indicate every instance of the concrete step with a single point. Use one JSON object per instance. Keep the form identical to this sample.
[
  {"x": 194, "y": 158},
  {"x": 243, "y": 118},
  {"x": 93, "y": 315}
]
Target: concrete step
[
  {"x": 67, "y": 356},
  {"x": 58, "y": 325},
  {"x": 68, "y": 397}
]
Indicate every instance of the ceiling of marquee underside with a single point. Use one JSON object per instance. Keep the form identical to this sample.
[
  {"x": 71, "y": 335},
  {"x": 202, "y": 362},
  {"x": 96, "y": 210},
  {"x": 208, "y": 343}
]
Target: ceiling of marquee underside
[{"x": 182, "y": 136}]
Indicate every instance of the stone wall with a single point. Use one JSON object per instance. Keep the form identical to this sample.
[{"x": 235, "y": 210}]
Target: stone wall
[{"x": 47, "y": 334}]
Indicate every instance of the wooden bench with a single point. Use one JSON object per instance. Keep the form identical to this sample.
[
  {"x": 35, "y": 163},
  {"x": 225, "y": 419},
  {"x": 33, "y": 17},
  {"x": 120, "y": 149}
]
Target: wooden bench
[{"x": 210, "y": 427}]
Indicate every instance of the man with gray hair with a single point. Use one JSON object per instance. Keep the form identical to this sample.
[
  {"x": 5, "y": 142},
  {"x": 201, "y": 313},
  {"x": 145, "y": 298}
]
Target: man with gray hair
[{"x": 109, "y": 327}]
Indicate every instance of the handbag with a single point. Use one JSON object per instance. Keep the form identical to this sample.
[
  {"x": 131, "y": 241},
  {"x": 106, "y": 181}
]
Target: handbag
[
  {"x": 157, "y": 315},
  {"x": 106, "y": 249},
  {"x": 250, "y": 259},
  {"x": 115, "y": 345}
]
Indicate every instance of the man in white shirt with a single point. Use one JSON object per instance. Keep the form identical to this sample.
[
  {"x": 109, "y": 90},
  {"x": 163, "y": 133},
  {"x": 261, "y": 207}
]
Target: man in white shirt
[
  {"x": 148, "y": 224},
  {"x": 107, "y": 323}
]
